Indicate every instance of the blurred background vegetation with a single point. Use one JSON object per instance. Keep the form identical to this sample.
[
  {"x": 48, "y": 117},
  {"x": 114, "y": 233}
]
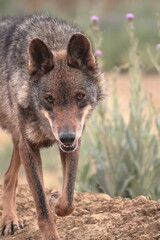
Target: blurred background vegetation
[
  {"x": 120, "y": 152},
  {"x": 112, "y": 22}
]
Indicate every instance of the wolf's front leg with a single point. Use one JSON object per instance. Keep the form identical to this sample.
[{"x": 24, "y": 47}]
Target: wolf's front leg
[
  {"x": 9, "y": 221},
  {"x": 64, "y": 205},
  {"x": 46, "y": 220}
]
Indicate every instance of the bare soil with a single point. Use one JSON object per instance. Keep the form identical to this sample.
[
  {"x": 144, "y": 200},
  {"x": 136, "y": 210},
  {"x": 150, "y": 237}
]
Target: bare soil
[{"x": 97, "y": 216}]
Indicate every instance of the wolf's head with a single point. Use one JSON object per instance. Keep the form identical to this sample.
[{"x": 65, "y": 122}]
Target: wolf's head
[{"x": 67, "y": 86}]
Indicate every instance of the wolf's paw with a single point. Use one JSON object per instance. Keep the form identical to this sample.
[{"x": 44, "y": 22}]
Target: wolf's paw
[
  {"x": 59, "y": 205},
  {"x": 10, "y": 225},
  {"x": 49, "y": 229},
  {"x": 63, "y": 208}
]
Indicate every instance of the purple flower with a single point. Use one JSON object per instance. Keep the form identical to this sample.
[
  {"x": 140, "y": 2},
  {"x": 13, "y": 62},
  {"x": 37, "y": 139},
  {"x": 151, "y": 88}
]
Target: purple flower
[
  {"x": 158, "y": 46},
  {"x": 94, "y": 18},
  {"x": 98, "y": 52},
  {"x": 129, "y": 16}
]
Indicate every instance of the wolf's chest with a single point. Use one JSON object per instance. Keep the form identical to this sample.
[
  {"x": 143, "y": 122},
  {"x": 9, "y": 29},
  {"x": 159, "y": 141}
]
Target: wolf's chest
[{"x": 39, "y": 135}]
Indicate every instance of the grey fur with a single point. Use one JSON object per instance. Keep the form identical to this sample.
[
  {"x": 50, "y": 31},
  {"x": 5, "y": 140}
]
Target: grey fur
[
  {"x": 49, "y": 85},
  {"x": 16, "y": 85}
]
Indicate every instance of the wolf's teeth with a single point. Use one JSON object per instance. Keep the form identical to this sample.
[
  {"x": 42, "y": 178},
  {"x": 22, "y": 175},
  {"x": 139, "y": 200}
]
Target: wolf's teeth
[{"x": 68, "y": 146}]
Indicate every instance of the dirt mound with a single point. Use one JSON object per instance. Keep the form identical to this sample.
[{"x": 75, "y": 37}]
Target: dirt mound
[{"x": 97, "y": 216}]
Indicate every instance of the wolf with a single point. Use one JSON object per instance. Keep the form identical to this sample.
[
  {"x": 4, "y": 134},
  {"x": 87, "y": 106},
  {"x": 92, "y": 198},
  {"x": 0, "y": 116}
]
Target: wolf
[{"x": 49, "y": 85}]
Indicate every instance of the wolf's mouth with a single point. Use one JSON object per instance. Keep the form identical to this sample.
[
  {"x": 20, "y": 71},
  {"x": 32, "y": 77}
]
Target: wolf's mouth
[{"x": 68, "y": 148}]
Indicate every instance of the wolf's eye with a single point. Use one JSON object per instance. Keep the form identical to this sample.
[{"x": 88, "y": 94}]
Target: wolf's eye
[
  {"x": 80, "y": 96},
  {"x": 49, "y": 99}
]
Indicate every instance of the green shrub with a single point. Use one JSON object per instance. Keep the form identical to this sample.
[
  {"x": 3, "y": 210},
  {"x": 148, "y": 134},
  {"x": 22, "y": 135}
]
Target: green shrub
[{"x": 124, "y": 158}]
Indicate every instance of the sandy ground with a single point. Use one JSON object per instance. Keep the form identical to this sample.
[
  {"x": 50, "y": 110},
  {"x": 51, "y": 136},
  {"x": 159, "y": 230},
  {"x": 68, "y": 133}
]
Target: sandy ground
[{"x": 96, "y": 217}]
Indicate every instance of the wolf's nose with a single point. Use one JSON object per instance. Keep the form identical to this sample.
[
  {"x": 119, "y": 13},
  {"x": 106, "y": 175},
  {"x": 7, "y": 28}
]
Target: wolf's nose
[{"x": 67, "y": 138}]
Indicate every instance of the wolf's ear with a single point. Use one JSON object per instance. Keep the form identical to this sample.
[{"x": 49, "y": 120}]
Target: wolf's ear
[
  {"x": 79, "y": 52},
  {"x": 40, "y": 57}
]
